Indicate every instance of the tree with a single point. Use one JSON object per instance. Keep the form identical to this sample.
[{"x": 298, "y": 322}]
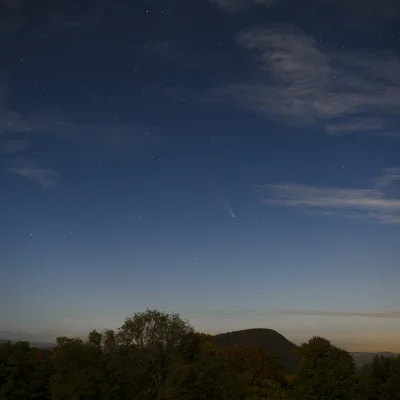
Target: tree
[
  {"x": 109, "y": 342},
  {"x": 262, "y": 372},
  {"x": 324, "y": 372},
  {"x": 380, "y": 378},
  {"x": 201, "y": 371},
  {"x": 78, "y": 370},
  {"x": 41, "y": 376},
  {"x": 24, "y": 372},
  {"x": 95, "y": 339},
  {"x": 151, "y": 340}
]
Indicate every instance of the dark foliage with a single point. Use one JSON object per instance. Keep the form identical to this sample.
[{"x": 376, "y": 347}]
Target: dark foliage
[
  {"x": 158, "y": 356},
  {"x": 24, "y": 372},
  {"x": 324, "y": 372},
  {"x": 380, "y": 378}
]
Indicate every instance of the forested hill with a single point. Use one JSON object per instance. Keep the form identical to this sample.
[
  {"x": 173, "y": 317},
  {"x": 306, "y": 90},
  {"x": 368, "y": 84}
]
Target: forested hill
[{"x": 276, "y": 343}]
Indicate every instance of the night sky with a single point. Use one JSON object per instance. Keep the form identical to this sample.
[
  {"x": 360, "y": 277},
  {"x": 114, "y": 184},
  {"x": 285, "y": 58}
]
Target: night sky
[{"x": 236, "y": 161}]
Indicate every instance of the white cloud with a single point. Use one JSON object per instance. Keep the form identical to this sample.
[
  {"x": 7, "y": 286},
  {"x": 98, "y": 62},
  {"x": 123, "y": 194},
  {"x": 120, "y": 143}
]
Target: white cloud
[
  {"x": 351, "y": 203},
  {"x": 47, "y": 178},
  {"x": 236, "y": 5},
  {"x": 300, "y": 81},
  {"x": 389, "y": 176}
]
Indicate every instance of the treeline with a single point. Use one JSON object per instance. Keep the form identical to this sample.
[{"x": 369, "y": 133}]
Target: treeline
[{"x": 159, "y": 356}]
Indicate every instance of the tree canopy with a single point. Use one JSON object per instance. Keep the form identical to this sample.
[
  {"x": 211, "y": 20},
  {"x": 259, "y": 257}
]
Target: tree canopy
[
  {"x": 159, "y": 356},
  {"x": 324, "y": 372}
]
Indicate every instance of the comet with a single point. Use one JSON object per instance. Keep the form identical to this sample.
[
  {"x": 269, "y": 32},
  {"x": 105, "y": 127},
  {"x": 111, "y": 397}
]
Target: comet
[{"x": 223, "y": 199}]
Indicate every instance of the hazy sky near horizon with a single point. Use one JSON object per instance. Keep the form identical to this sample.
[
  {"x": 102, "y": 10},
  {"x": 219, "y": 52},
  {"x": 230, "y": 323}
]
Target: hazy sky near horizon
[{"x": 236, "y": 161}]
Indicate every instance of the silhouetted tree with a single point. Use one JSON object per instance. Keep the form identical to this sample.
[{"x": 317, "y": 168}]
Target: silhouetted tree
[
  {"x": 95, "y": 339},
  {"x": 380, "y": 378},
  {"x": 325, "y": 372},
  {"x": 24, "y": 372},
  {"x": 263, "y": 373},
  {"x": 78, "y": 370},
  {"x": 202, "y": 372},
  {"x": 153, "y": 338},
  {"x": 159, "y": 356}
]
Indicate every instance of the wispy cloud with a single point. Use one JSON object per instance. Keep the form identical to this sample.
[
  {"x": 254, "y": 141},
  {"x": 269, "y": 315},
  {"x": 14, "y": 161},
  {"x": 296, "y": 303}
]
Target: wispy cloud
[
  {"x": 12, "y": 122},
  {"x": 389, "y": 176},
  {"x": 393, "y": 134},
  {"x": 236, "y": 5},
  {"x": 325, "y": 313},
  {"x": 351, "y": 203},
  {"x": 47, "y": 178},
  {"x": 13, "y": 146},
  {"x": 364, "y": 124},
  {"x": 302, "y": 81}
]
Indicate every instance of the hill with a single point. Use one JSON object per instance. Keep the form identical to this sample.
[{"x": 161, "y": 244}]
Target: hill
[{"x": 276, "y": 343}]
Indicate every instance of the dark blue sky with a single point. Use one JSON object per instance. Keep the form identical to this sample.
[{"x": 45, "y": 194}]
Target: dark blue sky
[{"x": 237, "y": 161}]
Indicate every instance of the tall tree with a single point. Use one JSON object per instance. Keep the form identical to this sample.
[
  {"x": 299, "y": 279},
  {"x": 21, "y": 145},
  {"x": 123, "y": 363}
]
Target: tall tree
[
  {"x": 324, "y": 372},
  {"x": 152, "y": 338}
]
